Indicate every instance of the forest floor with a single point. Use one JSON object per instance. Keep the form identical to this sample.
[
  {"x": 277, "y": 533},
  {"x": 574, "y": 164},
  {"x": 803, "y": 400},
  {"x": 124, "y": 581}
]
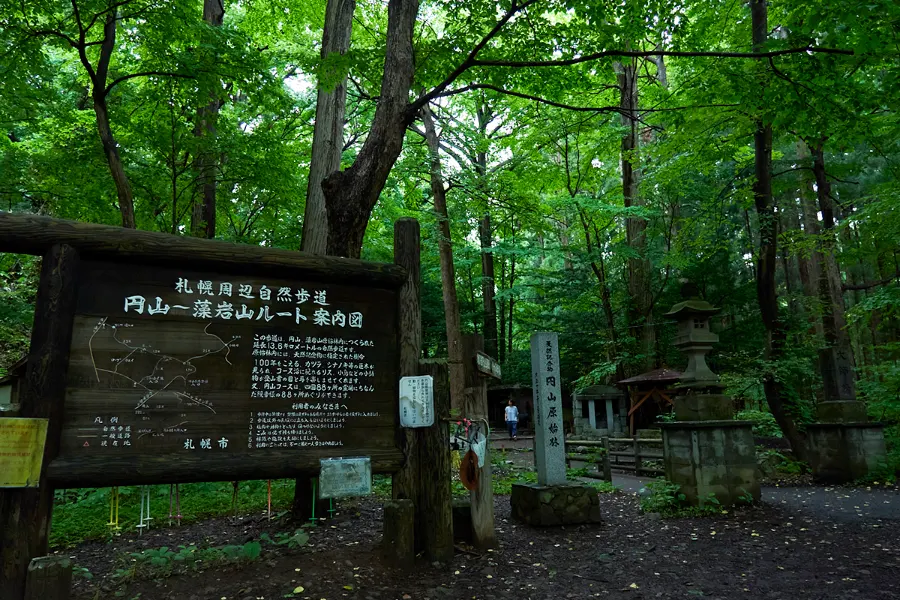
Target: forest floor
[{"x": 801, "y": 542}]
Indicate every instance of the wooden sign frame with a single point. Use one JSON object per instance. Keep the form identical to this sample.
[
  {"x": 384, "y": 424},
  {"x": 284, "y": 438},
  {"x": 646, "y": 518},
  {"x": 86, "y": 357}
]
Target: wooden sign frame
[{"x": 71, "y": 250}]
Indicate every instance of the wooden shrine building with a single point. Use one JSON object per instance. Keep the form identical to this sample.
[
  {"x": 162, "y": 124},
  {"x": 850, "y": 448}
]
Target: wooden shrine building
[{"x": 650, "y": 394}]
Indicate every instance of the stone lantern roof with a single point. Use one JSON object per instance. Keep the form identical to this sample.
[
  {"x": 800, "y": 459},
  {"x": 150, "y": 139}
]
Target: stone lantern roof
[{"x": 693, "y": 307}]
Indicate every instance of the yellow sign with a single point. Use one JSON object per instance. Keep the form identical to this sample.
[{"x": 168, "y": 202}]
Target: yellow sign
[{"x": 21, "y": 451}]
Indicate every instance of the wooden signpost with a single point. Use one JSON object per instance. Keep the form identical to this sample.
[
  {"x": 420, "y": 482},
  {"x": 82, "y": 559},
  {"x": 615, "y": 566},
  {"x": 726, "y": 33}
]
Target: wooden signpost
[
  {"x": 476, "y": 408},
  {"x": 164, "y": 359}
]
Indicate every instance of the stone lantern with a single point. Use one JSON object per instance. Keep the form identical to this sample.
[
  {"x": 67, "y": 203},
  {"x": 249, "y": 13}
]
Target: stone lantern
[
  {"x": 700, "y": 397},
  {"x": 695, "y": 339},
  {"x": 705, "y": 451}
]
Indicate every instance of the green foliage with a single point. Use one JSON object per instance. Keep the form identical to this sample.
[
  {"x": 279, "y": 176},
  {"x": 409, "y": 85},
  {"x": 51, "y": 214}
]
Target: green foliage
[
  {"x": 666, "y": 499},
  {"x": 83, "y": 514},
  {"x": 786, "y": 465},
  {"x": 764, "y": 424},
  {"x": 663, "y": 497},
  {"x": 604, "y": 487},
  {"x": 163, "y": 562}
]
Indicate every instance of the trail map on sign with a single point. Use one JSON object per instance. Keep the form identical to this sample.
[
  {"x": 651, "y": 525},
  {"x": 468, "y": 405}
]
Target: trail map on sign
[{"x": 164, "y": 381}]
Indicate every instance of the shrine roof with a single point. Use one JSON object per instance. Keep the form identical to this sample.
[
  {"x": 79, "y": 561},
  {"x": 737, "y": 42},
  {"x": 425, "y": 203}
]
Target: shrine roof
[{"x": 657, "y": 375}]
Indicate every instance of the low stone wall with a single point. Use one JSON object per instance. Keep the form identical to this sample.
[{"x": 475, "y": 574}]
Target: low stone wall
[{"x": 550, "y": 505}]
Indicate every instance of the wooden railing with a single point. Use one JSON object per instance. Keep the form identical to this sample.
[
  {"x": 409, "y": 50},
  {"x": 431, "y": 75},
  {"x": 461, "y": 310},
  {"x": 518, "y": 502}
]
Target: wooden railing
[{"x": 616, "y": 449}]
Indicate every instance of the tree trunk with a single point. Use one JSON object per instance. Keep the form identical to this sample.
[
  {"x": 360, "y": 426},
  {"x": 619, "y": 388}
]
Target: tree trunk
[
  {"x": 328, "y": 133},
  {"x": 839, "y": 379},
  {"x": 510, "y": 306},
  {"x": 328, "y": 142},
  {"x": 487, "y": 287},
  {"x": 203, "y": 215},
  {"x": 635, "y": 228},
  {"x": 767, "y": 258},
  {"x": 599, "y": 269},
  {"x": 101, "y": 110},
  {"x": 501, "y": 316},
  {"x": 448, "y": 272},
  {"x": 351, "y": 195}
]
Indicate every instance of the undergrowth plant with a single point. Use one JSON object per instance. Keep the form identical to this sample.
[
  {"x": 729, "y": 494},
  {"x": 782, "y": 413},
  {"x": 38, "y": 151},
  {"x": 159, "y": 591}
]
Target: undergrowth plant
[{"x": 666, "y": 499}]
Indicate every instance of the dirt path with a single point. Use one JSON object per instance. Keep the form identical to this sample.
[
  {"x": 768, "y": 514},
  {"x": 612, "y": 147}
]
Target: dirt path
[
  {"x": 765, "y": 552},
  {"x": 836, "y": 503}
]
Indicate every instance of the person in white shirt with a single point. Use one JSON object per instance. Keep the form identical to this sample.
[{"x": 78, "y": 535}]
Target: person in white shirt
[{"x": 512, "y": 419}]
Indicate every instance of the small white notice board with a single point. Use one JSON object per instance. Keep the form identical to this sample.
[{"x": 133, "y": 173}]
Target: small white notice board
[{"x": 416, "y": 401}]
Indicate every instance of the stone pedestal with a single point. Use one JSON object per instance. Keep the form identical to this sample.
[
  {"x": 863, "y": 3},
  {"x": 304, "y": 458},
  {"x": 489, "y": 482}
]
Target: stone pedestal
[
  {"x": 703, "y": 407},
  {"x": 548, "y": 505},
  {"x": 842, "y": 452},
  {"x": 711, "y": 457}
]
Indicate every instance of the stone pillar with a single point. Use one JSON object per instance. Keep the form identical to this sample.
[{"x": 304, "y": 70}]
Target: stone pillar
[
  {"x": 610, "y": 418},
  {"x": 576, "y": 414},
  {"x": 552, "y": 501},
  {"x": 592, "y": 414},
  {"x": 549, "y": 439}
]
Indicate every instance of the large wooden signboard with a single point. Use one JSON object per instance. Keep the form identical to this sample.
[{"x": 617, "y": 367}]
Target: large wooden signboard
[{"x": 178, "y": 375}]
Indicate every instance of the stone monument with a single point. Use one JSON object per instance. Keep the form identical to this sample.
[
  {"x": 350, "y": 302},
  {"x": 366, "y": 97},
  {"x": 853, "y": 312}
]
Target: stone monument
[
  {"x": 705, "y": 450},
  {"x": 843, "y": 445},
  {"x": 552, "y": 500}
]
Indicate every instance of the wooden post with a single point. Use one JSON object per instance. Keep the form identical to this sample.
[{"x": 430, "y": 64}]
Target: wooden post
[
  {"x": 25, "y": 513},
  {"x": 435, "y": 519},
  {"x": 49, "y": 578},
  {"x": 607, "y": 466},
  {"x": 476, "y": 409},
  {"x": 409, "y": 321},
  {"x": 637, "y": 456}
]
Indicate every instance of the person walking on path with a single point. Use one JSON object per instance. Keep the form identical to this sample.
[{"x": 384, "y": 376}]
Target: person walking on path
[{"x": 512, "y": 419}]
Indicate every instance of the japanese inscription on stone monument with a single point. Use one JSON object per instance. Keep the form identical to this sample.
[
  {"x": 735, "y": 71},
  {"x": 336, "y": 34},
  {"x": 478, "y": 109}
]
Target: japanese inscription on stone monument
[
  {"x": 178, "y": 362},
  {"x": 549, "y": 437}
]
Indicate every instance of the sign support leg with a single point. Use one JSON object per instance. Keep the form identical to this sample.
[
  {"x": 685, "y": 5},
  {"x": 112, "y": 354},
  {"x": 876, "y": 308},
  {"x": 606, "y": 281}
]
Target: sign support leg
[{"x": 25, "y": 512}]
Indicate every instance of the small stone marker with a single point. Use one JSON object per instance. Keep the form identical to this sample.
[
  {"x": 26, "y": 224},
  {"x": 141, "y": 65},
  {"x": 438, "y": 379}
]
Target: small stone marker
[
  {"x": 399, "y": 533},
  {"x": 416, "y": 401},
  {"x": 344, "y": 477},
  {"x": 49, "y": 578},
  {"x": 549, "y": 437}
]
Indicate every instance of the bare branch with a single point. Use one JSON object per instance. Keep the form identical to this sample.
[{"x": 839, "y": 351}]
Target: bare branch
[
  {"x": 487, "y": 86},
  {"x": 145, "y": 74},
  {"x": 869, "y": 285},
  {"x": 646, "y": 54},
  {"x": 470, "y": 59}
]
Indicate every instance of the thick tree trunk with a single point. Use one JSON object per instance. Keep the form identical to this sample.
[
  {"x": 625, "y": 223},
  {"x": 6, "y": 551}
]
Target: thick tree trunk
[
  {"x": 487, "y": 286},
  {"x": 838, "y": 376},
  {"x": 635, "y": 228},
  {"x": 351, "y": 195},
  {"x": 448, "y": 272},
  {"x": 328, "y": 133},
  {"x": 328, "y": 142},
  {"x": 101, "y": 110},
  {"x": 203, "y": 214},
  {"x": 767, "y": 257}
]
